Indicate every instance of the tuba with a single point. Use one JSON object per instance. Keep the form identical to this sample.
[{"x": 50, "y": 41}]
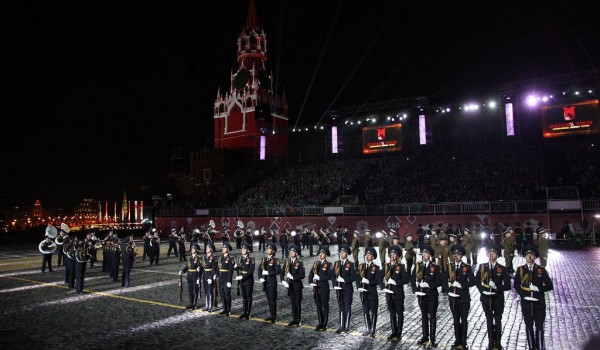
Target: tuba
[
  {"x": 47, "y": 247},
  {"x": 51, "y": 232}
]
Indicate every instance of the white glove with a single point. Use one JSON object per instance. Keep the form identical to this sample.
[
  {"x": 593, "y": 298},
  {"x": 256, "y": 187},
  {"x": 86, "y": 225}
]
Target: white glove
[
  {"x": 364, "y": 280},
  {"x": 424, "y": 285},
  {"x": 238, "y": 278},
  {"x": 340, "y": 279},
  {"x": 228, "y": 284},
  {"x": 316, "y": 277},
  {"x": 235, "y": 266},
  {"x": 534, "y": 288},
  {"x": 392, "y": 282},
  {"x": 457, "y": 285},
  {"x": 492, "y": 285},
  {"x": 198, "y": 281},
  {"x": 289, "y": 275},
  {"x": 209, "y": 281},
  {"x": 262, "y": 280},
  {"x": 265, "y": 273},
  {"x": 180, "y": 273}
]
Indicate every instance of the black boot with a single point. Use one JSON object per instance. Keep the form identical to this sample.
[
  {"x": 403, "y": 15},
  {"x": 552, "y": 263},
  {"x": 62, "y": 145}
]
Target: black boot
[
  {"x": 394, "y": 327},
  {"x": 530, "y": 340},
  {"x": 245, "y": 306},
  {"x": 249, "y": 309},
  {"x": 347, "y": 330},
  {"x": 342, "y": 323},
  {"x": 274, "y": 312},
  {"x": 325, "y": 319},
  {"x": 432, "y": 327},
  {"x": 367, "y": 332},
  {"x": 374, "y": 326},
  {"x": 293, "y": 317},
  {"x": 399, "y": 329},
  {"x": 319, "y": 315},
  {"x": 270, "y": 313},
  {"x": 539, "y": 339},
  {"x": 299, "y": 316}
]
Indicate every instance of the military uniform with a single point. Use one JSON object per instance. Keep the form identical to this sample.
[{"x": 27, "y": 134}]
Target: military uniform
[
  {"x": 249, "y": 239},
  {"x": 492, "y": 296},
  {"x": 172, "y": 242},
  {"x": 321, "y": 274},
  {"x": 209, "y": 268},
  {"x": 396, "y": 276},
  {"x": 155, "y": 249},
  {"x": 127, "y": 258},
  {"x": 115, "y": 258},
  {"x": 345, "y": 273},
  {"x": 410, "y": 254},
  {"x": 457, "y": 279},
  {"x": 370, "y": 276},
  {"x": 368, "y": 239},
  {"x": 245, "y": 268},
  {"x": 542, "y": 243},
  {"x": 467, "y": 243},
  {"x": 518, "y": 237},
  {"x": 47, "y": 258},
  {"x": 293, "y": 273},
  {"x": 531, "y": 282},
  {"x": 443, "y": 253},
  {"x": 421, "y": 236},
  {"x": 268, "y": 271},
  {"x": 509, "y": 248},
  {"x": 146, "y": 246},
  {"x": 192, "y": 267},
  {"x": 426, "y": 278},
  {"x": 225, "y": 277},
  {"x": 283, "y": 243},
  {"x": 355, "y": 245},
  {"x": 384, "y": 244},
  {"x": 181, "y": 243},
  {"x": 81, "y": 258},
  {"x": 69, "y": 250},
  {"x": 527, "y": 236}
]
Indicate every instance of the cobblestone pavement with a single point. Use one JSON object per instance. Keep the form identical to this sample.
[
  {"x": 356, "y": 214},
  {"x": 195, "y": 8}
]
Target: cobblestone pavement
[{"x": 38, "y": 311}]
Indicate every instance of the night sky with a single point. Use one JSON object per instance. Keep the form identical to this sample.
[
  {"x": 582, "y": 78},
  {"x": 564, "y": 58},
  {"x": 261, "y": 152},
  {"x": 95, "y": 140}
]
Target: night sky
[{"x": 85, "y": 81}]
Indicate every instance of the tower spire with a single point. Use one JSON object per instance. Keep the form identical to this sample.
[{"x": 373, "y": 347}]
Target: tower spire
[{"x": 251, "y": 17}]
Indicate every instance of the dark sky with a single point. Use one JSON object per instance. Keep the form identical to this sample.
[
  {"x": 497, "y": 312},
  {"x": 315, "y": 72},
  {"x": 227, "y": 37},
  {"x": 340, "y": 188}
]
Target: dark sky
[{"x": 85, "y": 81}]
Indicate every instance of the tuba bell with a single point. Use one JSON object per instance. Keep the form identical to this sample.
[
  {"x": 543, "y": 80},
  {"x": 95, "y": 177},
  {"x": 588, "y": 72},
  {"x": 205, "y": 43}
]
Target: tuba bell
[
  {"x": 51, "y": 232},
  {"x": 46, "y": 247}
]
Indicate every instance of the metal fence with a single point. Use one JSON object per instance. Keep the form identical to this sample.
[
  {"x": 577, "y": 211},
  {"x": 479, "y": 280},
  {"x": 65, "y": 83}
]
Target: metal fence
[{"x": 454, "y": 208}]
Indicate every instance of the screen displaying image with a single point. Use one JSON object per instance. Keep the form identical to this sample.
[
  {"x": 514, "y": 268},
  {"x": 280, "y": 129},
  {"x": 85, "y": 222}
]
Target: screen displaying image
[
  {"x": 382, "y": 138},
  {"x": 571, "y": 119}
]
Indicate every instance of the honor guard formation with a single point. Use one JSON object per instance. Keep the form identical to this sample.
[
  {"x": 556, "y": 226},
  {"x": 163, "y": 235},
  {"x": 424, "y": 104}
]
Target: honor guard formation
[{"x": 440, "y": 265}]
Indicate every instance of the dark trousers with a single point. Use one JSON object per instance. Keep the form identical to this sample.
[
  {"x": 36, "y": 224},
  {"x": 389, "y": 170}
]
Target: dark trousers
[
  {"x": 429, "y": 308},
  {"x": 396, "y": 308},
  {"x": 47, "y": 261},
  {"x": 284, "y": 251},
  {"x": 208, "y": 292},
  {"x": 261, "y": 242},
  {"x": 409, "y": 264},
  {"x": 271, "y": 291},
  {"x": 154, "y": 256},
  {"x": 173, "y": 247},
  {"x": 79, "y": 276},
  {"x": 59, "y": 255},
  {"x": 238, "y": 243},
  {"x": 125, "y": 280},
  {"x": 225, "y": 296},
  {"x": 182, "y": 252},
  {"x": 247, "y": 292},
  {"x": 322, "y": 304},
  {"x": 493, "y": 315},
  {"x": 146, "y": 249},
  {"x": 370, "y": 308},
  {"x": 296, "y": 303},
  {"x": 345, "y": 306},
  {"x": 70, "y": 272},
  {"x": 535, "y": 337},
  {"x": 460, "y": 312},
  {"x": 193, "y": 289}
]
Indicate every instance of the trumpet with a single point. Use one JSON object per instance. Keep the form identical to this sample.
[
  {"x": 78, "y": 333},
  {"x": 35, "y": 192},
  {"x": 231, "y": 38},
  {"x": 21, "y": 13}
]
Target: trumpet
[{"x": 324, "y": 235}]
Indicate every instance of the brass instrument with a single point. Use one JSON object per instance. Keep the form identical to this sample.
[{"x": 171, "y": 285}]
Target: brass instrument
[
  {"x": 324, "y": 235},
  {"x": 51, "y": 232},
  {"x": 81, "y": 253},
  {"x": 47, "y": 247}
]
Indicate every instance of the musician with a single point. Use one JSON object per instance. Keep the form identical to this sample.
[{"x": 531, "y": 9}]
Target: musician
[
  {"x": 245, "y": 268},
  {"x": 192, "y": 267},
  {"x": 492, "y": 280},
  {"x": 296, "y": 238},
  {"x": 238, "y": 233},
  {"x": 410, "y": 254},
  {"x": 249, "y": 239},
  {"x": 355, "y": 248},
  {"x": 62, "y": 238},
  {"x": 467, "y": 243},
  {"x": 305, "y": 238},
  {"x": 47, "y": 246},
  {"x": 269, "y": 269},
  {"x": 181, "y": 242},
  {"x": 368, "y": 238},
  {"x": 320, "y": 274},
  {"x": 69, "y": 252},
  {"x": 309, "y": 236},
  {"x": 370, "y": 276},
  {"x": 154, "y": 248},
  {"x": 509, "y": 250},
  {"x": 115, "y": 259},
  {"x": 225, "y": 277},
  {"x": 262, "y": 239},
  {"x": 209, "y": 270},
  {"x": 292, "y": 274},
  {"x": 172, "y": 242},
  {"x": 196, "y": 236},
  {"x": 128, "y": 255},
  {"x": 425, "y": 279},
  {"x": 384, "y": 245},
  {"x": 225, "y": 236},
  {"x": 283, "y": 243},
  {"x": 147, "y": 239},
  {"x": 531, "y": 282},
  {"x": 80, "y": 261},
  {"x": 421, "y": 236},
  {"x": 345, "y": 273},
  {"x": 395, "y": 276},
  {"x": 105, "y": 251},
  {"x": 457, "y": 279},
  {"x": 91, "y": 241}
]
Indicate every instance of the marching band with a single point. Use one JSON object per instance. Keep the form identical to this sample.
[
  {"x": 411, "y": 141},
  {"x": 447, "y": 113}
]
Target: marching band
[{"x": 445, "y": 266}]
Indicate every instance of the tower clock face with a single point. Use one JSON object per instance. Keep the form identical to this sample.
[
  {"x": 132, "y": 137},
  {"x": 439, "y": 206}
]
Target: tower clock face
[
  {"x": 264, "y": 81},
  {"x": 241, "y": 79}
]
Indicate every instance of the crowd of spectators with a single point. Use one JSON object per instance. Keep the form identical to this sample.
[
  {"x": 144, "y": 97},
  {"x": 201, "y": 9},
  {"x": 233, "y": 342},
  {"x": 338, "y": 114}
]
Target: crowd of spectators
[{"x": 583, "y": 162}]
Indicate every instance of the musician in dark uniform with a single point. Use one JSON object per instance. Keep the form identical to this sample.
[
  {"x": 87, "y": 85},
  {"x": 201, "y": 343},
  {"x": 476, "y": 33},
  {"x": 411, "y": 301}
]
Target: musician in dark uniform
[
  {"x": 410, "y": 252},
  {"x": 370, "y": 275},
  {"x": 305, "y": 238},
  {"x": 155, "y": 248},
  {"x": 457, "y": 279},
  {"x": 47, "y": 246},
  {"x": 172, "y": 242},
  {"x": 238, "y": 233},
  {"x": 245, "y": 268},
  {"x": 368, "y": 238},
  {"x": 128, "y": 255},
  {"x": 262, "y": 239},
  {"x": 531, "y": 282},
  {"x": 320, "y": 275},
  {"x": 81, "y": 258},
  {"x": 225, "y": 277},
  {"x": 283, "y": 243},
  {"x": 518, "y": 237},
  {"x": 492, "y": 280},
  {"x": 268, "y": 271},
  {"x": 192, "y": 267},
  {"x": 355, "y": 245},
  {"x": 425, "y": 279},
  {"x": 395, "y": 276},
  {"x": 146, "y": 252},
  {"x": 345, "y": 277},
  {"x": 297, "y": 242},
  {"x": 181, "y": 242},
  {"x": 115, "y": 259},
  {"x": 208, "y": 269},
  {"x": 69, "y": 248},
  {"x": 292, "y": 274},
  {"x": 311, "y": 238},
  {"x": 225, "y": 236},
  {"x": 249, "y": 239},
  {"x": 421, "y": 236}
]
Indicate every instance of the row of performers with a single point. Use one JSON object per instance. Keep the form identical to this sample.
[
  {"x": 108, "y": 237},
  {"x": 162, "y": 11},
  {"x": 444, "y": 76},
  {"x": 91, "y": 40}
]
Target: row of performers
[{"x": 217, "y": 273}]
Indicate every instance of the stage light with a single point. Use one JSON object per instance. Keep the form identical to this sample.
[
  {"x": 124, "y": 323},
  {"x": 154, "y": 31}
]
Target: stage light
[
  {"x": 404, "y": 115},
  {"x": 346, "y": 122},
  {"x": 532, "y": 100},
  {"x": 576, "y": 92},
  {"x": 545, "y": 99},
  {"x": 388, "y": 118},
  {"x": 589, "y": 91},
  {"x": 492, "y": 104},
  {"x": 321, "y": 127},
  {"x": 448, "y": 109},
  {"x": 294, "y": 130},
  {"x": 359, "y": 122},
  {"x": 306, "y": 129}
]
